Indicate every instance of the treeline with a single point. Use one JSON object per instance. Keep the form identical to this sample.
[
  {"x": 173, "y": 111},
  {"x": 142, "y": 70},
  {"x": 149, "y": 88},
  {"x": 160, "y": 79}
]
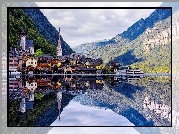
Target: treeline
[
  {"x": 157, "y": 61},
  {"x": 18, "y": 20},
  {"x": 46, "y": 29}
]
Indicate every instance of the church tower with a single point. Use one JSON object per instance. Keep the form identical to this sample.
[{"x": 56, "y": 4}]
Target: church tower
[
  {"x": 59, "y": 47},
  {"x": 59, "y": 99},
  {"x": 22, "y": 38}
]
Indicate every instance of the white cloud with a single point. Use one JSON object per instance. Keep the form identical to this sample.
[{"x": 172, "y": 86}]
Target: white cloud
[
  {"x": 76, "y": 114},
  {"x": 85, "y": 25}
]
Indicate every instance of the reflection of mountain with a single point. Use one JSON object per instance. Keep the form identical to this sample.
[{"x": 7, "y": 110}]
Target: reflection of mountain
[
  {"x": 44, "y": 112},
  {"x": 40, "y": 30},
  {"x": 136, "y": 118},
  {"x": 129, "y": 101},
  {"x": 50, "y": 115}
]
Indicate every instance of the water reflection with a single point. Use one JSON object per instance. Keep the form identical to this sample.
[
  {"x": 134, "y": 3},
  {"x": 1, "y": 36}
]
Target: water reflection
[{"x": 41, "y": 100}]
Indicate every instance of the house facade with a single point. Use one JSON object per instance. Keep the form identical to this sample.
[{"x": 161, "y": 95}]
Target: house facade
[{"x": 31, "y": 62}]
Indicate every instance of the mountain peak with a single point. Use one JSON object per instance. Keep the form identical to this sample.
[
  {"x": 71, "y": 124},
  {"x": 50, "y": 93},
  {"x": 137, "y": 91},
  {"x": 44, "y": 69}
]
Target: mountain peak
[{"x": 141, "y": 25}]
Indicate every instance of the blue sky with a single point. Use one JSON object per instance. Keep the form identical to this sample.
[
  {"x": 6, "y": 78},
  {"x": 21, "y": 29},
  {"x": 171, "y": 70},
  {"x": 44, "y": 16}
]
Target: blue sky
[{"x": 79, "y": 26}]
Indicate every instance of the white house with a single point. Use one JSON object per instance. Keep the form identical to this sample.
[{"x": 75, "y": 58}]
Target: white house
[
  {"x": 31, "y": 62},
  {"x": 31, "y": 86}
]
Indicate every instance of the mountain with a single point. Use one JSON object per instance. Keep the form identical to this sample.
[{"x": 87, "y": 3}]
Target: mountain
[
  {"x": 18, "y": 20},
  {"x": 46, "y": 29},
  {"x": 42, "y": 32},
  {"x": 146, "y": 44},
  {"x": 132, "y": 32},
  {"x": 140, "y": 26},
  {"x": 84, "y": 48}
]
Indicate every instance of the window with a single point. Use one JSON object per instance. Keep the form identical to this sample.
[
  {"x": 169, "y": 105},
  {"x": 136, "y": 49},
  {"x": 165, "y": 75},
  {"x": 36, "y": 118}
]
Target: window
[
  {"x": 31, "y": 84},
  {"x": 31, "y": 62},
  {"x": 35, "y": 63}
]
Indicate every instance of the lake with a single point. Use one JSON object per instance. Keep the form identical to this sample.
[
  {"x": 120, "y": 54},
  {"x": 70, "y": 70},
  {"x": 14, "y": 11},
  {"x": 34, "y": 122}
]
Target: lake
[{"x": 89, "y": 101}]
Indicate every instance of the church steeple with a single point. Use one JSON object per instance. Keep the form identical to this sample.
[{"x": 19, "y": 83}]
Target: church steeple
[
  {"x": 59, "y": 99},
  {"x": 59, "y": 32},
  {"x": 59, "y": 48}
]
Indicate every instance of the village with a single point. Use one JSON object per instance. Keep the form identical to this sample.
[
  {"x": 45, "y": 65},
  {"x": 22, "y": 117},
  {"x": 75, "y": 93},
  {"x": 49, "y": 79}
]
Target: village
[
  {"x": 23, "y": 61},
  {"x": 29, "y": 73}
]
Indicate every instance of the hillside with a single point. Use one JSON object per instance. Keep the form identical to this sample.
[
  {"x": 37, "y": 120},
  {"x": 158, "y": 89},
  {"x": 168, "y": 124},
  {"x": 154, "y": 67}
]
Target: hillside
[
  {"x": 42, "y": 32},
  {"x": 19, "y": 20},
  {"x": 131, "y": 33},
  {"x": 46, "y": 29},
  {"x": 148, "y": 51},
  {"x": 146, "y": 44}
]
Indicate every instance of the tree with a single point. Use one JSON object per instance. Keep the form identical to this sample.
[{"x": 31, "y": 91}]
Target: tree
[{"x": 38, "y": 52}]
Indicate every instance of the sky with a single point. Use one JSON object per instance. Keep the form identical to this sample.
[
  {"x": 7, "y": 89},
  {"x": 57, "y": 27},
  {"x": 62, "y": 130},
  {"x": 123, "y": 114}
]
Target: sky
[
  {"x": 80, "y": 26},
  {"x": 76, "y": 114}
]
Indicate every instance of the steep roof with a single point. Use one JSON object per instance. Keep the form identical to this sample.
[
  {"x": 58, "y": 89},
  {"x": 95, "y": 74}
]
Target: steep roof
[{"x": 29, "y": 43}]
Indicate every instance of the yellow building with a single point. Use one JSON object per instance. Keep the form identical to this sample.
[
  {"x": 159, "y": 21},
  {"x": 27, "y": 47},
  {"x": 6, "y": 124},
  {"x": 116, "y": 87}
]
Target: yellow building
[
  {"x": 58, "y": 64},
  {"x": 99, "y": 66},
  {"x": 100, "y": 81}
]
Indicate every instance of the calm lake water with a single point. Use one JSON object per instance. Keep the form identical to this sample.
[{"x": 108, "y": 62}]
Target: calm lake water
[{"x": 89, "y": 101}]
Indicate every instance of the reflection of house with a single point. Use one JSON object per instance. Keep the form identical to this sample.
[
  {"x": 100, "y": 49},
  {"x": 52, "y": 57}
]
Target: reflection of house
[
  {"x": 42, "y": 82},
  {"x": 13, "y": 62},
  {"x": 99, "y": 81},
  {"x": 30, "y": 97},
  {"x": 14, "y": 85},
  {"x": 22, "y": 106},
  {"x": 26, "y": 103},
  {"x": 29, "y": 104},
  {"x": 56, "y": 85},
  {"x": 31, "y": 86}
]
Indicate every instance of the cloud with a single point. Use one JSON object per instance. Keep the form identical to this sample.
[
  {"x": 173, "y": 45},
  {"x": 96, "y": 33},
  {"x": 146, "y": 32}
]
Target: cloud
[
  {"x": 76, "y": 114},
  {"x": 86, "y": 25}
]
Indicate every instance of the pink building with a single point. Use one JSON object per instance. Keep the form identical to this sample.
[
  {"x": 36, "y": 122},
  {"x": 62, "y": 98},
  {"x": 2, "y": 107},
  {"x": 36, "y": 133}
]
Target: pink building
[
  {"x": 14, "y": 85},
  {"x": 13, "y": 62}
]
